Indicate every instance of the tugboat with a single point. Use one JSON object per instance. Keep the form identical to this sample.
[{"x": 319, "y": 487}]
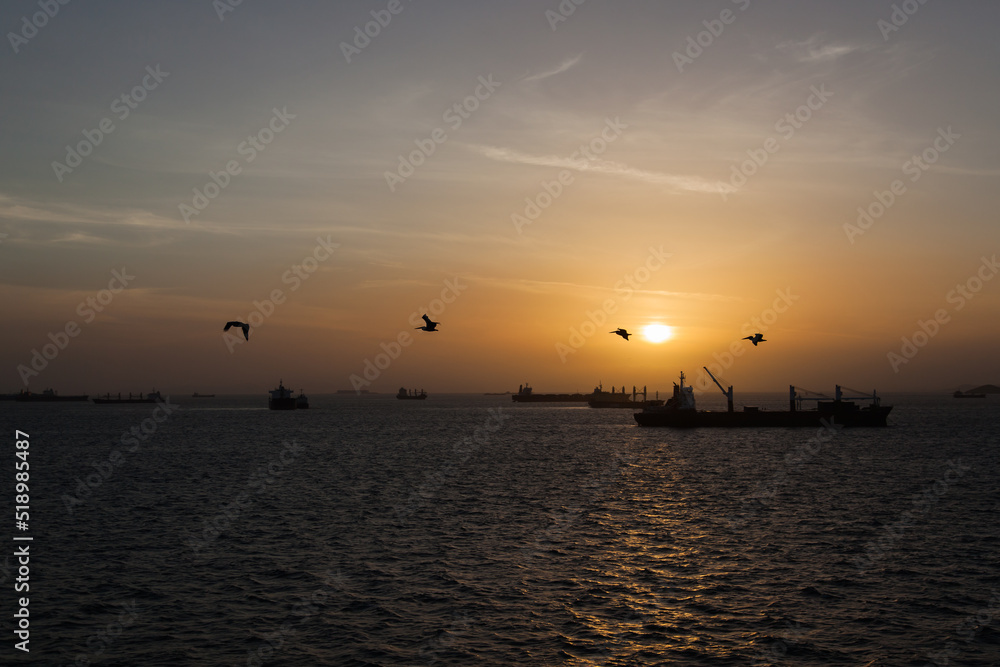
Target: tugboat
[
  {"x": 679, "y": 411},
  {"x": 412, "y": 395},
  {"x": 47, "y": 396},
  {"x": 281, "y": 398},
  {"x": 153, "y": 397},
  {"x": 604, "y": 399},
  {"x": 301, "y": 402}
]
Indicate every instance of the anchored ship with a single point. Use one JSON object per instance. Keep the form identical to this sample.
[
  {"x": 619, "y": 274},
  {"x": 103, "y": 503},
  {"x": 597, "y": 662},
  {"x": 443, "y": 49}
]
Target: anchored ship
[
  {"x": 605, "y": 399},
  {"x": 281, "y": 399},
  {"x": 525, "y": 395},
  {"x": 47, "y": 396},
  {"x": 680, "y": 412},
  {"x": 411, "y": 395},
  {"x": 153, "y": 397}
]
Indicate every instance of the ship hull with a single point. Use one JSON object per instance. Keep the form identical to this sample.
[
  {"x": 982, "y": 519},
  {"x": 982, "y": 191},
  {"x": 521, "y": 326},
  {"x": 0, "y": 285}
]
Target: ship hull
[
  {"x": 872, "y": 416},
  {"x": 629, "y": 404},
  {"x": 38, "y": 398},
  {"x": 550, "y": 398},
  {"x": 281, "y": 404}
]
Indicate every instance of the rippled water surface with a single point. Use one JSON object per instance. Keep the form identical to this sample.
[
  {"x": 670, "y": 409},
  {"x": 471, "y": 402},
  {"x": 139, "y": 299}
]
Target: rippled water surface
[{"x": 469, "y": 530}]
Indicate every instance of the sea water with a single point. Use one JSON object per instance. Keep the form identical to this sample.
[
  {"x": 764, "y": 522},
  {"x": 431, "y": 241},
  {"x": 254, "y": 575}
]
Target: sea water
[{"x": 469, "y": 530}]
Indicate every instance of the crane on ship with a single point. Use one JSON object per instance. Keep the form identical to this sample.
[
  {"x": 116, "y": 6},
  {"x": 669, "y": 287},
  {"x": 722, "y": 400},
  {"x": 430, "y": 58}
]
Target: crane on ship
[
  {"x": 795, "y": 400},
  {"x": 728, "y": 393}
]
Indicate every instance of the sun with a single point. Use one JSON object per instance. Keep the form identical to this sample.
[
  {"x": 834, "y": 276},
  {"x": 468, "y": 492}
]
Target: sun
[{"x": 657, "y": 333}]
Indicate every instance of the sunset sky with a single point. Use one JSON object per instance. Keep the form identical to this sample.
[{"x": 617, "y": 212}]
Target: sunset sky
[{"x": 698, "y": 165}]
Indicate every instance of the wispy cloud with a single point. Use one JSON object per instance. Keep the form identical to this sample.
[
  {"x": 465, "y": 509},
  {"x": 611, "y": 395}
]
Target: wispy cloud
[
  {"x": 547, "y": 286},
  {"x": 813, "y": 50},
  {"x": 677, "y": 182},
  {"x": 564, "y": 66}
]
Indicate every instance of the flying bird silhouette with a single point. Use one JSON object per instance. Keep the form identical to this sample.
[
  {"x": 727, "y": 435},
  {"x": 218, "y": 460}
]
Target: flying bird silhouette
[
  {"x": 245, "y": 327},
  {"x": 756, "y": 338},
  {"x": 429, "y": 326},
  {"x": 621, "y": 332}
]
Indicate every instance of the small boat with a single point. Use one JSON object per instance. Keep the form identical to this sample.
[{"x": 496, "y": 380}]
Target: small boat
[
  {"x": 47, "y": 396},
  {"x": 301, "y": 402},
  {"x": 411, "y": 395},
  {"x": 197, "y": 395},
  {"x": 281, "y": 398},
  {"x": 153, "y": 397}
]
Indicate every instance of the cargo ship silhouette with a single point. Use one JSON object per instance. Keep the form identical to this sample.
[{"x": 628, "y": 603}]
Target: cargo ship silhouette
[{"x": 680, "y": 412}]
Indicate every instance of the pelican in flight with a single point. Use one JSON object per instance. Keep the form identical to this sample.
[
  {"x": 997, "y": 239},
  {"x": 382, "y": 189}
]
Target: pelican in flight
[
  {"x": 245, "y": 327},
  {"x": 621, "y": 332},
  {"x": 756, "y": 338},
  {"x": 429, "y": 325}
]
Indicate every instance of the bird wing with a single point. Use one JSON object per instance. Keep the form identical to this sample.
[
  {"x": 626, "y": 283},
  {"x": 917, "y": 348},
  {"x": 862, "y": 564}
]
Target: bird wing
[
  {"x": 428, "y": 320},
  {"x": 232, "y": 324}
]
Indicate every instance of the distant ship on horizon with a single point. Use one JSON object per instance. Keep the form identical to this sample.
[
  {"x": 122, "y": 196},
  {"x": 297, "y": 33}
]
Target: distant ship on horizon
[
  {"x": 282, "y": 399},
  {"x": 605, "y": 399},
  {"x": 47, "y": 396},
  {"x": 411, "y": 395},
  {"x": 153, "y": 397},
  {"x": 526, "y": 395}
]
